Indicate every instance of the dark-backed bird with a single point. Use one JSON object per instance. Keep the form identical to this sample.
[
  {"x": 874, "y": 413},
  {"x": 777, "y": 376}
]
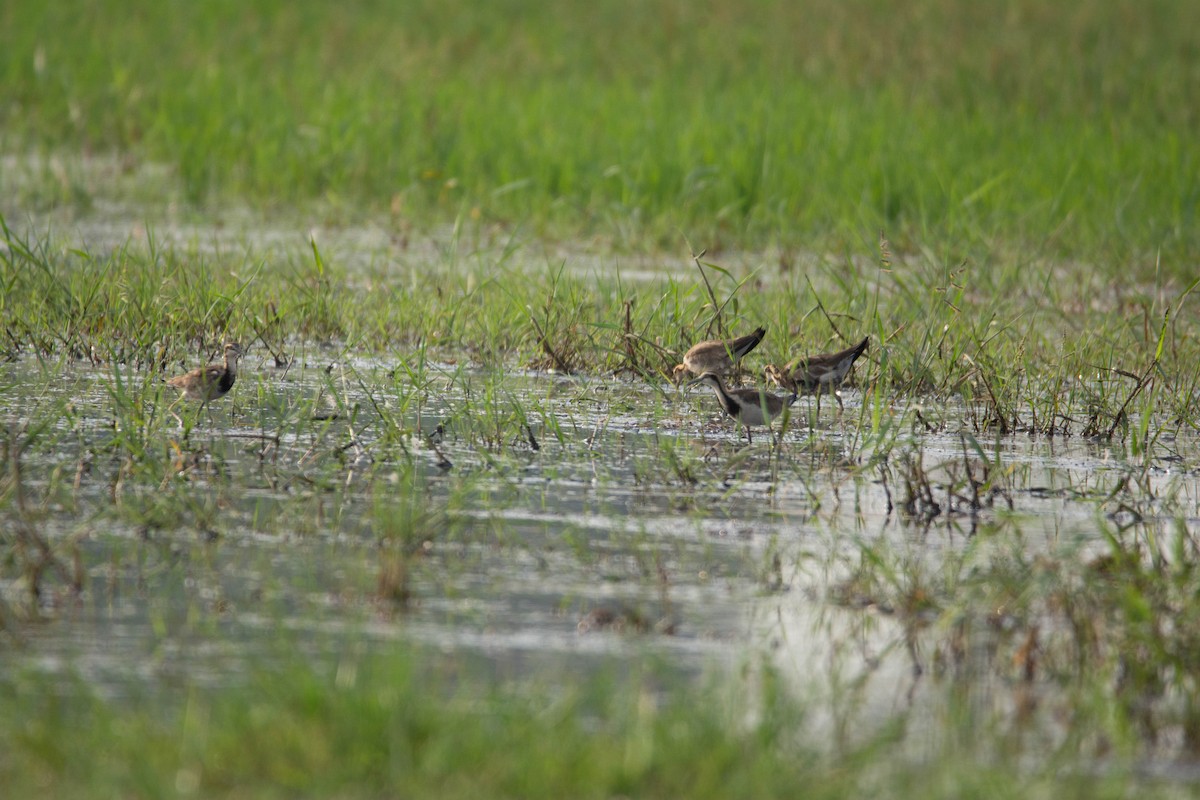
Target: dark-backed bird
[
  {"x": 211, "y": 382},
  {"x": 718, "y": 356},
  {"x": 817, "y": 374},
  {"x": 747, "y": 407}
]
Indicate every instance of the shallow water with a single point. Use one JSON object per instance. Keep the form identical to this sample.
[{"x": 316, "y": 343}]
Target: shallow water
[
  {"x": 265, "y": 527},
  {"x": 282, "y": 537},
  {"x": 530, "y": 509}
]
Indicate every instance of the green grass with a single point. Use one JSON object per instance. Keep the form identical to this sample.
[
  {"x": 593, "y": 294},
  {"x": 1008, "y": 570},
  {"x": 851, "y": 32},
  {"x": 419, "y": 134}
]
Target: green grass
[
  {"x": 1043, "y": 348},
  {"x": 381, "y": 727},
  {"x": 1018, "y": 129}
]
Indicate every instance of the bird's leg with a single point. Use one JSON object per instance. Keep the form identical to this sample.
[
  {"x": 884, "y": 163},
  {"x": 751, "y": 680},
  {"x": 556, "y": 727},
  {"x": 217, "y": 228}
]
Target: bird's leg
[{"x": 171, "y": 411}]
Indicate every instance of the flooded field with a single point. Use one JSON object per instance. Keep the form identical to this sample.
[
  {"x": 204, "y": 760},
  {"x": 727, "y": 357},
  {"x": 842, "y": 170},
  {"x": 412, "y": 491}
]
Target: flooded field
[
  {"x": 529, "y": 520},
  {"x": 516, "y": 539},
  {"x": 455, "y": 531},
  {"x": 961, "y": 544}
]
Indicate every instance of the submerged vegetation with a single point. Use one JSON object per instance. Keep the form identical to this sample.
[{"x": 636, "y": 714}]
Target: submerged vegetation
[
  {"x": 455, "y": 531},
  {"x": 1048, "y": 350},
  {"x": 406, "y": 413}
]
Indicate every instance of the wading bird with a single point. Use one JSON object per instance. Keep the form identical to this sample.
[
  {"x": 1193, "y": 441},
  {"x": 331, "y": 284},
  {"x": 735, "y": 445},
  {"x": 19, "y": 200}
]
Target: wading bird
[
  {"x": 817, "y": 374},
  {"x": 211, "y": 382},
  {"x": 718, "y": 356},
  {"x": 747, "y": 407}
]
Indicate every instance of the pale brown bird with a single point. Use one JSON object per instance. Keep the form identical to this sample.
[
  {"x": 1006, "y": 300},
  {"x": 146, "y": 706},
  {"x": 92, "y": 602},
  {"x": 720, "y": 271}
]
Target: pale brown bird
[
  {"x": 746, "y": 406},
  {"x": 718, "y": 356},
  {"x": 211, "y": 382},
  {"x": 817, "y": 374}
]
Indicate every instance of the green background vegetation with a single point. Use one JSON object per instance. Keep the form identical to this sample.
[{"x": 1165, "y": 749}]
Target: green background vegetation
[{"x": 1055, "y": 129}]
